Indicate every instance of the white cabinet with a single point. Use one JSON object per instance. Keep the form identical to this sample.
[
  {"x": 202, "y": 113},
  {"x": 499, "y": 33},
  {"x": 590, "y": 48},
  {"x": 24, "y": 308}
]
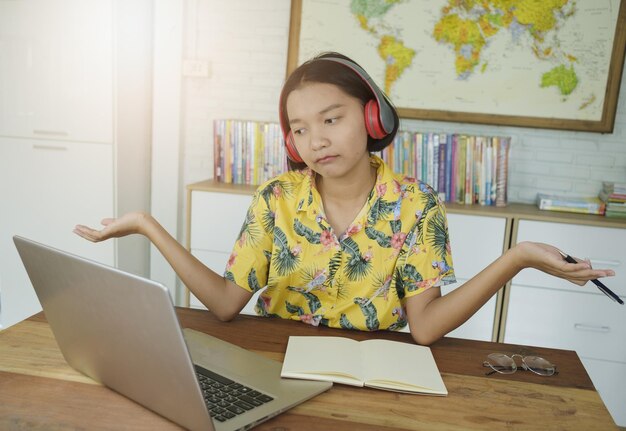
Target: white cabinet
[
  {"x": 56, "y": 73},
  {"x": 551, "y": 312},
  {"x": 216, "y": 218},
  {"x": 47, "y": 187},
  {"x": 215, "y": 221},
  {"x": 476, "y": 241}
]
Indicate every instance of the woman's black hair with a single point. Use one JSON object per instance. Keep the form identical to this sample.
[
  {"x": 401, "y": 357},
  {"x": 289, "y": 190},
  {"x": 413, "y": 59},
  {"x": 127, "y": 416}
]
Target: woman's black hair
[{"x": 330, "y": 72}]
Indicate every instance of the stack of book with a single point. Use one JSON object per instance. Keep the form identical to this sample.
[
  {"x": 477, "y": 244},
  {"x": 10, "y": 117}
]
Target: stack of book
[
  {"x": 614, "y": 196},
  {"x": 573, "y": 204},
  {"x": 247, "y": 152},
  {"x": 461, "y": 168}
]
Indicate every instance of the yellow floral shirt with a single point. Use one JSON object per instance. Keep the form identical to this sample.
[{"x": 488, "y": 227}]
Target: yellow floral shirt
[{"x": 396, "y": 247}]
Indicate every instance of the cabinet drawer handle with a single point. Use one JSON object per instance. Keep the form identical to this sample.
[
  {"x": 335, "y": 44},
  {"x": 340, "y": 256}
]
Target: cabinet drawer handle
[
  {"x": 603, "y": 263},
  {"x": 591, "y": 328},
  {"x": 49, "y": 147},
  {"x": 50, "y": 132}
]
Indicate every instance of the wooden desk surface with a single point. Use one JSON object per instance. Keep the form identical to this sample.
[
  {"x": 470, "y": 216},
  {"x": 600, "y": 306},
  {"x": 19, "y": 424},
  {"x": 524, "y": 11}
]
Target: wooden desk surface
[{"x": 38, "y": 390}]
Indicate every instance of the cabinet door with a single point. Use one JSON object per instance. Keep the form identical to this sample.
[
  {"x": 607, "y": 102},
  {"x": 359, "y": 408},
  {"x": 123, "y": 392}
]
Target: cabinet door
[
  {"x": 56, "y": 74},
  {"x": 475, "y": 241},
  {"x": 216, "y": 219},
  {"x": 46, "y": 188}
]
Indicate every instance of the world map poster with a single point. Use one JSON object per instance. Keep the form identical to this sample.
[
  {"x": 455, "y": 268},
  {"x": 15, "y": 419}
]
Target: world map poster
[{"x": 550, "y": 63}]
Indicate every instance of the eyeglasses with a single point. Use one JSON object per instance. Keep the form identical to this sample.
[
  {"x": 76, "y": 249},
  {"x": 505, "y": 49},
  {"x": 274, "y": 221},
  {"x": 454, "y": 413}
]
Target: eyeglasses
[{"x": 504, "y": 364}]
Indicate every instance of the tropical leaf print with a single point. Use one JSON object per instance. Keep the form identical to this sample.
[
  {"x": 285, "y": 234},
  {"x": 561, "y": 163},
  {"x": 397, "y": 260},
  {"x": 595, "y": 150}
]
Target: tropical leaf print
[
  {"x": 268, "y": 255},
  {"x": 285, "y": 260},
  {"x": 411, "y": 277},
  {"x": 249, "y": 232},
  {"x": 429, "y": 199},
  {"x": 381, "y": 284},
  {"x": 345, "y": 323},
  {"x": 342, "y": 289},
  {"x": 312, "y": 300},
  {"x": 333, "y": 266},
  {"x": 369, "y": 311},
  {"x": 262, "y": 306},
  {"x": 438, "y": 234},
  {"x": 294, "y": 309},
  {"x": 277, "y": 188},
  {"x": 378, "y": 236},
  {"x": 306, "y": 232},
  {"x": 399, "y": 284},
  {"x": 268, "y": 220},
  {"x": 380, "y": 208},
  {"x": 396, "y": 225},
  {"x": 253, "y": 282},
  {"x": 358, "y": 266},
  {"x": 228, "y": 275}
]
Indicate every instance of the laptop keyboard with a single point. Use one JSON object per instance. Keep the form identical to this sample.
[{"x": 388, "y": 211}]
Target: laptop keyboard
[{"x": 226, "y": 398}]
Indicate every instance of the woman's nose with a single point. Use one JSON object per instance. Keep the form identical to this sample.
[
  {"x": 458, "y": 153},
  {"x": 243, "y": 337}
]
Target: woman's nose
[{"x": 319, "y": 141}]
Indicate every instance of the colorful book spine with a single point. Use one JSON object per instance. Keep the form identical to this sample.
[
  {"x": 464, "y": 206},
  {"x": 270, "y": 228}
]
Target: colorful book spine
[{"x": 461, "y": 168}]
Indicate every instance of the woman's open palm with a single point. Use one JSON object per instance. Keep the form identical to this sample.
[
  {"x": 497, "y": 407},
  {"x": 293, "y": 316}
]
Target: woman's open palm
[{"x": 128, "y": 224}]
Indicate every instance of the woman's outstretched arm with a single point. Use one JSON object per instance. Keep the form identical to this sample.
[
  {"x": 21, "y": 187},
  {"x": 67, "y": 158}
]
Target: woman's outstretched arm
[
  {"x": 431, "y": 315},
  {"x": 223, "y": 297}
]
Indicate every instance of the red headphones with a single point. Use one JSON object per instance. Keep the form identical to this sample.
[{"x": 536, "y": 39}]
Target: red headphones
[{"x": 378, "y": 113}]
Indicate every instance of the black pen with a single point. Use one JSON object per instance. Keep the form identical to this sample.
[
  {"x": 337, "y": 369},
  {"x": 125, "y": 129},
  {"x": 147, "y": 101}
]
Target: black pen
[{"x": 595, "y": 281}]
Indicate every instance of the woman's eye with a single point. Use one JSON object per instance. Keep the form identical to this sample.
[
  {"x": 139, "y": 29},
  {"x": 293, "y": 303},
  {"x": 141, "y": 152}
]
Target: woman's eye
[
  {"x": 298, "y": 131},
  {"x": 331, "y": 120}
]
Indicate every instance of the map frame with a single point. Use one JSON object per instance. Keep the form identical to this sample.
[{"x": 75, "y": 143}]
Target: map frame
[{"x": 605, "y": 125}]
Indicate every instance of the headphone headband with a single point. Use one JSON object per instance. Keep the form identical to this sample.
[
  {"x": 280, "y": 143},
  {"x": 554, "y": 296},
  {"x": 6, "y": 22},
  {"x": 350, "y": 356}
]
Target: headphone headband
[{"x": 387, "y": 119}]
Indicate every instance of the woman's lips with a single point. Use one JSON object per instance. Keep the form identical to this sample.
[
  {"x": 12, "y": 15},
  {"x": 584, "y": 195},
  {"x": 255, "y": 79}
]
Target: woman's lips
[{"x": 326, "y": 159}]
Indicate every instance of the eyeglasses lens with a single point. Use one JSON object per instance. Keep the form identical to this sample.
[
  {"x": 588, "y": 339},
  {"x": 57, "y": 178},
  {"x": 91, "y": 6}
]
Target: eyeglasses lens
[
  {"x": 501, "y": 363},
  {"x": 539, "y": 365}
]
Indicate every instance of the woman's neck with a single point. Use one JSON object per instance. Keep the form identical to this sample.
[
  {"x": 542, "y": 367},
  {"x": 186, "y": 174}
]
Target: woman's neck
[{"x": 343, "y": 198}]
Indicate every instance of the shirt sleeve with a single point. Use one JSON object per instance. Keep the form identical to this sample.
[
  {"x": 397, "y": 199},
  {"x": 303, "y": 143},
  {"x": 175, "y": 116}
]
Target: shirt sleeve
[
  {"x": 426, "y": 259},
  {"x": 248, "y": 264}
]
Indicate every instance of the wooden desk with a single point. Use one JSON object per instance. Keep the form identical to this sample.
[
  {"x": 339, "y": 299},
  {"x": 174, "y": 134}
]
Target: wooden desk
[{"x": 39, "y": 390}]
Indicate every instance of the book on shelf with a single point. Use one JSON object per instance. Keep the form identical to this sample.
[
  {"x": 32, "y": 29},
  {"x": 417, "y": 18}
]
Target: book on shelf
[
  {"x": 460, "y": 168},
  {"x": 363, "y": 363},
  {"x": 612, "y": 196},
  {"x": 584, "y": 205}
]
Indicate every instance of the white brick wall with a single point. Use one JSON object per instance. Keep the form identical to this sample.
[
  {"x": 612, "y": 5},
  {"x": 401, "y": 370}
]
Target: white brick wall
[{"x": 245, "y": 42}]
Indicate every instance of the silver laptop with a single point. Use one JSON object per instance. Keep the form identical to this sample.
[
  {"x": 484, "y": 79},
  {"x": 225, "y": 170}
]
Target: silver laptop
[{"x": 122, "y": 331}]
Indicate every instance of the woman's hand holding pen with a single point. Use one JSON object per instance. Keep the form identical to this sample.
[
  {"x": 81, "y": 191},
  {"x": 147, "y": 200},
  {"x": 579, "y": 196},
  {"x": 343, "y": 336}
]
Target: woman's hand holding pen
[
  {"x": 549, "y": 259},
  {"x": 128, "y": 224}
]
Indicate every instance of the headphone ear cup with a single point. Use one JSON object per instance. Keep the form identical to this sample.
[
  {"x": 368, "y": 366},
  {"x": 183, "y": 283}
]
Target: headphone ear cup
[
  {"x": 292, "y": 152},
  {"x": 372, "y": 120}
]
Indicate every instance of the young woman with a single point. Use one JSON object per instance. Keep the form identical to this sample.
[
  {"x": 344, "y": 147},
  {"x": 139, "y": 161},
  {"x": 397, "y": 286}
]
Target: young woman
[{"x": 340, "y": 240}]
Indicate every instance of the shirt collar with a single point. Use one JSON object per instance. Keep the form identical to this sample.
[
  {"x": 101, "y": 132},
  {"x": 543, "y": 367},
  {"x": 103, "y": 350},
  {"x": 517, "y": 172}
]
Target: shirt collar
[{"x": 387, "y": 186}]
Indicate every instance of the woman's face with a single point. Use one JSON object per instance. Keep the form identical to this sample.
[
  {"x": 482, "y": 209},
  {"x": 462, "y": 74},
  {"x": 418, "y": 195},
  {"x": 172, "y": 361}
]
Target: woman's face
[{"x": 328, "y": 128}]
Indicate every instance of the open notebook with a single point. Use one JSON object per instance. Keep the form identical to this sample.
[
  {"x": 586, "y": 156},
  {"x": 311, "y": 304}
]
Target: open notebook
[{"x": 381, "y": 364}]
